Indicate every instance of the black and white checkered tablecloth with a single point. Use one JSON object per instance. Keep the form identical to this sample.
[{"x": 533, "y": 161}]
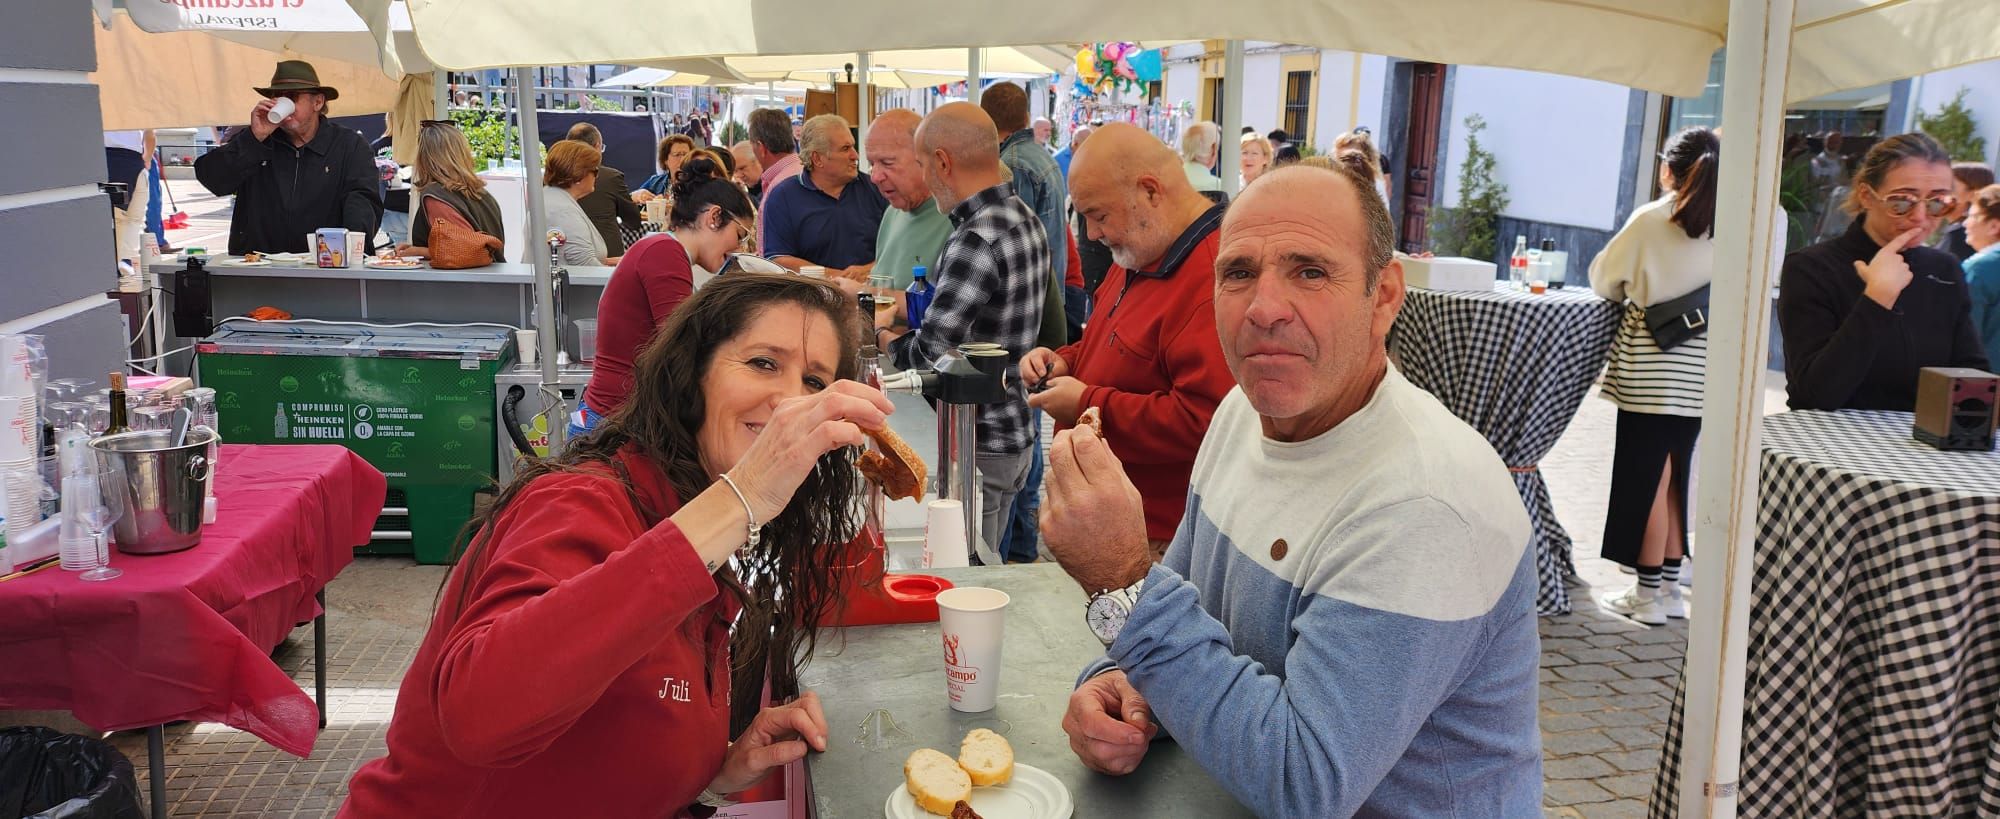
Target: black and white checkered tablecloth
[
  {"x": 1515, "y": 366},
  {"x": 1873, "y": 681}
]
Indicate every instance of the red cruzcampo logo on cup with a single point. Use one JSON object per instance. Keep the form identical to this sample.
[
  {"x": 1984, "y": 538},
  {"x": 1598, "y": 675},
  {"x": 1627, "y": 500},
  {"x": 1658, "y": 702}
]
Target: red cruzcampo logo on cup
[{"x": 972, "y": 621}]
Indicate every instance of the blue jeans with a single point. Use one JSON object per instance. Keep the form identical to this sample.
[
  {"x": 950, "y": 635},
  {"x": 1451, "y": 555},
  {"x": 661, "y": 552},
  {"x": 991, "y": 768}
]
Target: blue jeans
[
  {"x": 396, "y": 225},
  {"x": 1021, "y": 542}
]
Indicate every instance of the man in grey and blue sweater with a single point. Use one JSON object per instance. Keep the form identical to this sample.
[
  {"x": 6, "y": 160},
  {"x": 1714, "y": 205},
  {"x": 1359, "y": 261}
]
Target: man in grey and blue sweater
[{"x": 1345, "y": 622}]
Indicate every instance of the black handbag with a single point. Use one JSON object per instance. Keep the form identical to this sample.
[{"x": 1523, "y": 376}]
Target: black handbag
[{"x": 1674, "y": 321}]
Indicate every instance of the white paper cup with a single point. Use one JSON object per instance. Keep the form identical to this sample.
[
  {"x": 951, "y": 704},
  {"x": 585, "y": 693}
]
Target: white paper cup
[
  {"x": 18, "y": 429},
  {"x": 280, "y": 108},
  {"x": 944, "y": 535},
  {"x": 17, "y": 360},
  {"x": 526, "y": 341},
  {"x": 973, "y": 620},
  {"x": 813, "y": 272}
]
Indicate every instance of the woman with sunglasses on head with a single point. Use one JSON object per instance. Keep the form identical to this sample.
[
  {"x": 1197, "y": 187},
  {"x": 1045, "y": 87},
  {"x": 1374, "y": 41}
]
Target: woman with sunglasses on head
[
  {"x": 710, "y": 218},
  {"x": 1863, "y": 312}
]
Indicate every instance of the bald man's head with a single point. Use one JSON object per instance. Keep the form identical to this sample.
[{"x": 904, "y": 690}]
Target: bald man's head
[
  {"x": 960, "y": 151},
  {"x": 1132, "y": 194},
  {"x": 892, "y": 159}
]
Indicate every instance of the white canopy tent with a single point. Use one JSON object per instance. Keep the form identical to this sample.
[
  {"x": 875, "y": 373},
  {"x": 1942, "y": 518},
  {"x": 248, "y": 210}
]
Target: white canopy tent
[{"x": 1779, "y": 50}]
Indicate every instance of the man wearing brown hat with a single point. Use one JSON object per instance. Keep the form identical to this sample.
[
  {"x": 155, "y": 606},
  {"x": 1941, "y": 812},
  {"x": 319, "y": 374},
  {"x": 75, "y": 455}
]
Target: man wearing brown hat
[{"x": 296, "y": 175}]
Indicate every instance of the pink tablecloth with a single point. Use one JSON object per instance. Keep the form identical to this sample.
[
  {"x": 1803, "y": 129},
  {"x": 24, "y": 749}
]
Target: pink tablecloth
[{"x": 188, "y": 636}]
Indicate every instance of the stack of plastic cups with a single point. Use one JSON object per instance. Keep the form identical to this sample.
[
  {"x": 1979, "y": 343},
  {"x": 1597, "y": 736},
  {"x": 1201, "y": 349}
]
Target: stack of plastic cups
[
  {"x": 200, "y": 404},
  {"x": 20, "y": 434}
]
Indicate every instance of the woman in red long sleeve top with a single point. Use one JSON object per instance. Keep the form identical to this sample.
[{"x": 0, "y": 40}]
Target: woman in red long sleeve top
[
  {"x": 578, "y": 663},
  {"x": 711, "y": 217}
]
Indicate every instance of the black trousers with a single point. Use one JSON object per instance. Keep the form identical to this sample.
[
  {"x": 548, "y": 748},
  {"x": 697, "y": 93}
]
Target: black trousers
[{"x": 1645, "y": 441}]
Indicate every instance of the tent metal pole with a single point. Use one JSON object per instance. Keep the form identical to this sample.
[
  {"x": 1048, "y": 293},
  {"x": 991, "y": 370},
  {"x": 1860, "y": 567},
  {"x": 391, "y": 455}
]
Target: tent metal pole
[
  {"x": 1747, "y": 249},
  {"x": 537, "y": 248},
  {"x": 975, "y": 67},
  {"x": 861, "y": 104},
  {"x": 1232, "y": 114}
]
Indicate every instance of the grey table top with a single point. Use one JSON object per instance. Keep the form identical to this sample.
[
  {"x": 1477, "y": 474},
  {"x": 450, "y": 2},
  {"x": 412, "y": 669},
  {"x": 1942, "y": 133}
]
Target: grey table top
[
  {"x": 514, "y": 273},
  {"x": 900, "y": 670}
]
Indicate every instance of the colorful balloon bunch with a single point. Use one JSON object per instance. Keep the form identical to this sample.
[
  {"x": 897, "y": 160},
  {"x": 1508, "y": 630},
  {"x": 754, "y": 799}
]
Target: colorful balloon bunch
[{"x": 1121, "y": 66}]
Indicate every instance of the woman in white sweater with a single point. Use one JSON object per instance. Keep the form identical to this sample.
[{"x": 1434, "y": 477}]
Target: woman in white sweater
[{"x": 1663, "y": 253}]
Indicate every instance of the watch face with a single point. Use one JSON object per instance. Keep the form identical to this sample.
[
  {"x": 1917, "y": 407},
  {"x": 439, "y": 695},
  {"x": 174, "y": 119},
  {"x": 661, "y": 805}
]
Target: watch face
[{"x": 1106, "y": 616}]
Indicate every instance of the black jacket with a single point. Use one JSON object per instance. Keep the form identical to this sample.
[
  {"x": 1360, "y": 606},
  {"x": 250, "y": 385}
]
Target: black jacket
[
  {"x": 1844, "y": 351},
  {"x": 609, "y": 204},
  {"x": 284, "y": 192}
]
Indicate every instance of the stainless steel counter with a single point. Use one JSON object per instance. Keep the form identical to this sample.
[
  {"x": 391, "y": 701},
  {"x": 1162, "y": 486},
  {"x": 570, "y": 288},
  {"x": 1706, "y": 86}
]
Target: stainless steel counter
[{"x": 899, "y": 670}]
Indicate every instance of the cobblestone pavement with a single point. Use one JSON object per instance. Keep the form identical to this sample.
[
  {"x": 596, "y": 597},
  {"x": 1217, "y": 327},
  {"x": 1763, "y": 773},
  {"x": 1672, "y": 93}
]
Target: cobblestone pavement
[{"x": 1607, "y": 682}]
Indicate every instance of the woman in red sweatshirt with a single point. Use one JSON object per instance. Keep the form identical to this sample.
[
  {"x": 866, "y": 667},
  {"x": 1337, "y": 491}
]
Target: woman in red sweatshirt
[{"x": 579, "y": 663}]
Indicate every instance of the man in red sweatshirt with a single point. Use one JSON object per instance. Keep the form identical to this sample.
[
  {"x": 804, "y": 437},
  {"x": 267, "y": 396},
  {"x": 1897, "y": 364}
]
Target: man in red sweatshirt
[{"x": 1149, "y": 359}]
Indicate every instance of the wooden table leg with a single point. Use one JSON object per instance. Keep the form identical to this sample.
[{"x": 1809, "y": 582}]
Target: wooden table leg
[
  {"x": 319, "y": 656},
  {"x": 156, "y": 767}
]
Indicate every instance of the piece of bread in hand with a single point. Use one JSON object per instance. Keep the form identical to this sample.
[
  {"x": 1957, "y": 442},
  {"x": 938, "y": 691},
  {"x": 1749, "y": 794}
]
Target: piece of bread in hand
[
  {"x": 1092, "y": 420},
  {"x": 936, "y": 781},
  {"x": 896, "y": 468},
  {"x": 986, "y": 757}
]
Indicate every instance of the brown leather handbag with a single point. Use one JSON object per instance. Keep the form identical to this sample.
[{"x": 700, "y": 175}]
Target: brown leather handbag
[{"x": 455, "y": 246}]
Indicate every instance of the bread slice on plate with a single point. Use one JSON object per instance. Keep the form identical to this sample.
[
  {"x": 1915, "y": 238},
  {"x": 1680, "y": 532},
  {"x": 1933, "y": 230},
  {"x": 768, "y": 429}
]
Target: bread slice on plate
[
  {"x": 986, "y": 757},
  {"x": 936, "y": 781}
]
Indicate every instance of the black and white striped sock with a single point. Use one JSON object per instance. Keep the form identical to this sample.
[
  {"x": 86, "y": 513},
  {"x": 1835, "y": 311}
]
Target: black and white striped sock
[
  {"x": 1670, "y": 571},
  {"x": 1649, "y": 581}
]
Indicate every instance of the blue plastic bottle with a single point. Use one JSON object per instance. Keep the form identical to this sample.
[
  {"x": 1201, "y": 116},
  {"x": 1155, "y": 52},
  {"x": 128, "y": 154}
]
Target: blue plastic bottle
[{"x": 918, "y": 297}]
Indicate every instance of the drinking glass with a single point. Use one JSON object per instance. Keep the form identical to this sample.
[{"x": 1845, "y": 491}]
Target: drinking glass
[
  {"x": 73, "y": 388},
  {"x": 101, "y": 491}
]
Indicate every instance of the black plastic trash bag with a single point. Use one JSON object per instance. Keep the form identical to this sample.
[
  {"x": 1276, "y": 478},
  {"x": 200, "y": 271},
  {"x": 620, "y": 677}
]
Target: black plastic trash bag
[{"x": 47, "y": 774}]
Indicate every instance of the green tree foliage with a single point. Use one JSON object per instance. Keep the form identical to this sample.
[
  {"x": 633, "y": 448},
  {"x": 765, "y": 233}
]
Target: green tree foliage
[
  {"x": 486, "y": 132},
  {"x": 1954, "y": 128},
  {"x": 732, "y": 133},
  {"x": 1472, "y": 228}
]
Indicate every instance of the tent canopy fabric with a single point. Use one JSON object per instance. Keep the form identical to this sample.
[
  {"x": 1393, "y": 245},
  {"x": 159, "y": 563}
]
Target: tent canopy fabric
[
  {"x": 1656, "y": 45},
  {"x": 306, "y": 29},
  {"x": 193, "y": 78}
]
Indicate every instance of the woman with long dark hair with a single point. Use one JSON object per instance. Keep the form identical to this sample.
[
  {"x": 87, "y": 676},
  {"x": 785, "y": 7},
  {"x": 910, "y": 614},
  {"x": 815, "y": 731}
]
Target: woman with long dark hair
[
  {"x": 1664, "y": 253},
  {"x": 1863, "y": 312},
  {"x": 622, "y": 603},
  {"x": 710, "y": 219}
]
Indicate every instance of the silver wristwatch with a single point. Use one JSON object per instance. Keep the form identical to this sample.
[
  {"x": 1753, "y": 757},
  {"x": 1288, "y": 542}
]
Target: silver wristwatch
[
  {"x": 1109, "y": 610},
  {"x": 712, "y": 799}
]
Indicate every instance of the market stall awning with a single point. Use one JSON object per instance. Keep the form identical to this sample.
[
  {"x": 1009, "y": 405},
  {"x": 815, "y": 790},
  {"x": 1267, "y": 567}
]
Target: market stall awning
[
  {"x": 193, "y": 78},
  {"x": 1658, "y": 45},
  {"x": 306, "y": 29}
]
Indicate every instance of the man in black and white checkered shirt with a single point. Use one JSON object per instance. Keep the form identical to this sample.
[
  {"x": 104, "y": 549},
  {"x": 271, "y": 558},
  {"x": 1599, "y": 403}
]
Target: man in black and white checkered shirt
[{"x": 989, "y": 284}]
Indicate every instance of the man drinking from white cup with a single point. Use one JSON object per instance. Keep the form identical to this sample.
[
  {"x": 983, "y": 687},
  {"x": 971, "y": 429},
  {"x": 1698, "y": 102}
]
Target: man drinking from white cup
[{"x": 318, "y": 175}]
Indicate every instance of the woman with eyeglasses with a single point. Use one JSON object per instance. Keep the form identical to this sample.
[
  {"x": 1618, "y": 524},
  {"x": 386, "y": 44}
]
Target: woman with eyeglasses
[
  {"x": 1863, "y": 312},
  {"x": 710, "y": 219},
  {"x": 1982, "y": 270}
]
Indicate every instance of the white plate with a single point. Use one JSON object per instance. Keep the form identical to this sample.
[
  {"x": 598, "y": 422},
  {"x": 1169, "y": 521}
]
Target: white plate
[
  {"x": 1032, "y": 794},
  {"x": 237, "y": 261},
  {"x": 392, "y": 264}
]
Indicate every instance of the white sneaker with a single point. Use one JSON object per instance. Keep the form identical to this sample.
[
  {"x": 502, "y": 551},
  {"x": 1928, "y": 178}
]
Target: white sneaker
[
  {"x": 1687, "y": 572},
  {"x": 1673, "y": 602},
  {"x": 1633, "y": 602}
]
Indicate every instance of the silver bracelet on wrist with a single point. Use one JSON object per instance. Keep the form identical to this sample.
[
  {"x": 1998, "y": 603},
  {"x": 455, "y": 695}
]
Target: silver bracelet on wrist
[
  {"x": 756, "y": 530},
  {"x": 713, "y": 799}
]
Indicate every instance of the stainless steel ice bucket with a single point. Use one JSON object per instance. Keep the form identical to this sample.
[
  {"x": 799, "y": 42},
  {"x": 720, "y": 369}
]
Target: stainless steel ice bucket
[{"x": 164, "y": 486}]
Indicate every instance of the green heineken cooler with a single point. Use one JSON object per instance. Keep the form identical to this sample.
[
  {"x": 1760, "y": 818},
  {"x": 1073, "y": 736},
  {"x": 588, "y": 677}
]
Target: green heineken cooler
[{"x": 416, "y": 402}]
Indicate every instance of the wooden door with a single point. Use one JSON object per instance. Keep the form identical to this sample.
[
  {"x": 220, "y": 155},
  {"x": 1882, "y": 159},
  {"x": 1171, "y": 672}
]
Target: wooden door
[{"x": 1418, "y": 184}]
